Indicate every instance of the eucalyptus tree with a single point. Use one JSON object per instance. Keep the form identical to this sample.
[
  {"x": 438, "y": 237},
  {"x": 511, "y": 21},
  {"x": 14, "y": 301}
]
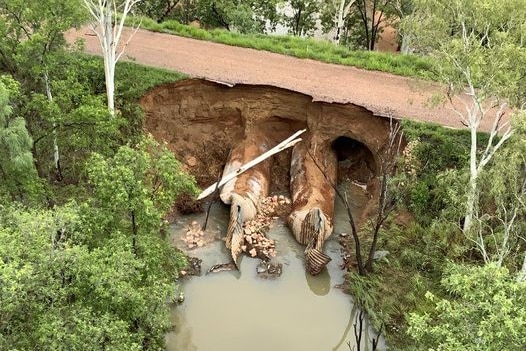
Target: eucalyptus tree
[
  {"x": 237, "y": 15},
  {"x": 301, "y": 16},
  {"x": 159, "y": 10},
  {"x": 499, "y": 238},
  {"x": 109, "y": 17},
  {"x": 486, "y": 312},
  {"x": 372, "y": 15},
  {"x": 401, "y": 9},
  {"x": 335, "y": 16},
  {"x": 344, "y": 9},
  {"x": 18, "y": 177},
  {"x": 359, "y": 23},
  {"x": 31, "y": 35},
  {"x": 479, "y": 45}
]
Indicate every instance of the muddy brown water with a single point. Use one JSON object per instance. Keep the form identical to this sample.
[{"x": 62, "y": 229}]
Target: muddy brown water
[{"x": 233, "y": 310}]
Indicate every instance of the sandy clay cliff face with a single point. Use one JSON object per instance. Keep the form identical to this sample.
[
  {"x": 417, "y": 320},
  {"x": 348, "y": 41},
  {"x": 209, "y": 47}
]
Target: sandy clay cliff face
[
  {"x": 210, "y": 126},
  {"x": 201, "y": 121}
]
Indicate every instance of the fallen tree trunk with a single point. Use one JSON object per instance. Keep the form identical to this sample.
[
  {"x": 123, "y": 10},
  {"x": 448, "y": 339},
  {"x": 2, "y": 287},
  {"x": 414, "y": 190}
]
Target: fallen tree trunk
[
  {"x": 312, "y": 201},
  {"x": 244, "y": 192}
]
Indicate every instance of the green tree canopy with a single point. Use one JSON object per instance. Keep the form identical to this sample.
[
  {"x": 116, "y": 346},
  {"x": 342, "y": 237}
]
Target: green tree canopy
[
  {"x": 95, "y": 275},
  {"x": 18, "y": 177},
  {"x": 31, "y": 30},
  {"x": 242, "y": 16},
  {"x": 486, "y": 312},
  {"x": 477, "y": 42},
  {"x": 302, "y": 18}
]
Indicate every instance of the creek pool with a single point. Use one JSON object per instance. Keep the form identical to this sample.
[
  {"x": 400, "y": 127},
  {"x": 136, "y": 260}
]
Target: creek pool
[{"x": 239, "y": 311}]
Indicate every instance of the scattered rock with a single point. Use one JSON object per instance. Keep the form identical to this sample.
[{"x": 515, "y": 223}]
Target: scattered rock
[
  {"x": 256, "y": 243},
  {"x": 261, "y": 268},
  {"x": 195, "y": 237},
  {"x": 191, "y": 161}
]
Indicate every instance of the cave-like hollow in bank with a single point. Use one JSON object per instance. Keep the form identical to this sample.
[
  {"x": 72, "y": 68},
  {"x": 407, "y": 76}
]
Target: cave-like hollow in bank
[{"x": 208, "y": 125}]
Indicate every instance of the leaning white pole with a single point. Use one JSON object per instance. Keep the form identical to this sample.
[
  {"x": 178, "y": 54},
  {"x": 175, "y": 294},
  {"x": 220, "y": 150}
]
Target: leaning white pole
[{"x": 285, "y": 144}]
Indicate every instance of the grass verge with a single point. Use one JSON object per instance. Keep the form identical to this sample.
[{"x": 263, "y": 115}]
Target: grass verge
[{"x": 305, "y": 48}]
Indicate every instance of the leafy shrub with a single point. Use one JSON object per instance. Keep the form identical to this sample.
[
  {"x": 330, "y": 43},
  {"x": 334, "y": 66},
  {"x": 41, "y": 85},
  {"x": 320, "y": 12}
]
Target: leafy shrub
[
  {"x": 439, "y": 155},
  {"x": 484, "y": 310}
]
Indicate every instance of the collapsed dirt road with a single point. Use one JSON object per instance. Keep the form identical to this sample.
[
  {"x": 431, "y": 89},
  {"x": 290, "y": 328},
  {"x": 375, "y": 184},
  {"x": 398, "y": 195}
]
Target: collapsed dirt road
[{"x": 382, "y": 93}]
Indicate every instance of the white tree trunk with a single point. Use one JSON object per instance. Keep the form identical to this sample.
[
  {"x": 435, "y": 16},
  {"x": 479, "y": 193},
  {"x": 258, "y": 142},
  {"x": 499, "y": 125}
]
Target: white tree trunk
[
  {"x": 109, "y": 50},
  {"x": 405, "y": 45},
  {"x": 473, "y": 175},
  {"x": 521, "y": 277},
  {"x": 56, "y": 153},
  {"x": 343, "y": 11},
  {"x": 108, "y": 29}
]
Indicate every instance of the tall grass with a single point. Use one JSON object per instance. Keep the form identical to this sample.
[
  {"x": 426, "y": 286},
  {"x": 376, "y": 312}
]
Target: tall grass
[{"x": 305, "y": 48}]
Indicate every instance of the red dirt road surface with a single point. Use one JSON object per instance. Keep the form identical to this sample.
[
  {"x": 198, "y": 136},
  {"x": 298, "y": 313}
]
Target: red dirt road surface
[{"x": 382, "y": 93}]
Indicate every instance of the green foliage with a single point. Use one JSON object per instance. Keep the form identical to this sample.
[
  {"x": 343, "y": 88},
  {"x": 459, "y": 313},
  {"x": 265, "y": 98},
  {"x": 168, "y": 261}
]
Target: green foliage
[
  {"x": 404, "y": 65},
  {"x": 84, "y": 275},
  {"x": 78, "y": 116},
  {"x": 503, "y": 201},
  {"x": 159, "y": 10},
  {"x": 31, "y": 31},
  {"x": 236, "y": 15},
  {"x": 241, "y": 16},
  {"x": 302, "y": 20},
  {"x": 58, "y": 293},
  {"x": 435, "y": 162},
  {"x": 477, "y": 42},
  {"x": 18, "y": 177},
  {"x": 413, "y": 266},
  {"x": 134, "y": 189},
  {"x": 485, "y": 311},
  {"x": 97, "y": 275}
]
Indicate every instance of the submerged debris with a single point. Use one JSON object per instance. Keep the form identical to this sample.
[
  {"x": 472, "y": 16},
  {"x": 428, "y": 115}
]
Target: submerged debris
[
  {"x": 192, "y": 268},
  {"x": 222, "y": 267},
  {"x": 178, "y": 299},
  {"x": 268, "y": 270}
]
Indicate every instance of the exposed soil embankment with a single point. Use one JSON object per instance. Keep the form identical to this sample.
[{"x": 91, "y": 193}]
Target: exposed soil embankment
[{"x": 201, "y": 121}]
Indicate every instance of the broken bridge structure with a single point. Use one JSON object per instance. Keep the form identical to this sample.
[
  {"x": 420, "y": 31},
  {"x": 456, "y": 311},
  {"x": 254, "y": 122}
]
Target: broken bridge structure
[{"x": 215, "y": 128}]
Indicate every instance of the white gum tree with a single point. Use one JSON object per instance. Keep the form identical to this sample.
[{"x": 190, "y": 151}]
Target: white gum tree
[
  {"x": 479, "y": 48},
  {"x": 108, "y": 22},
  {"x": 344, "y": 9}
]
